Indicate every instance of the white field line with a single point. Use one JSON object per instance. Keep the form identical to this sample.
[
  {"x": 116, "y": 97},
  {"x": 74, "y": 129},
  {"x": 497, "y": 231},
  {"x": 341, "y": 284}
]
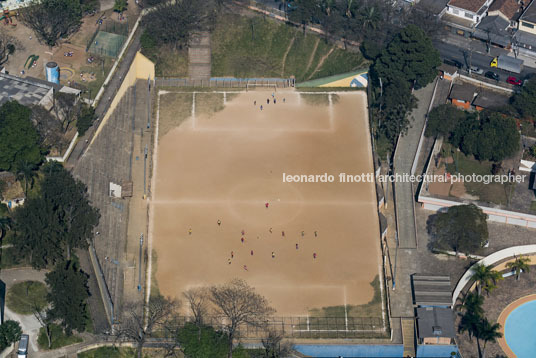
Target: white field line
[
  {"x": 257, "y": 202},
  {"x": 345, "y": 310},
  {"x": 193, "y": 111},
  {"x": 151, "y": 200},
  {"x": 298, "y": 92},
  {"x": 262, "y": 129},
  {"x": 331, "y": 120},
  {"x": 224, "y": 98}
]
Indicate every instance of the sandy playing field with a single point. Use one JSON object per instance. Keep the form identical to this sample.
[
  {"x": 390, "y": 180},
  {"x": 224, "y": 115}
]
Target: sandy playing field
[{"x": 226, "y": 165}]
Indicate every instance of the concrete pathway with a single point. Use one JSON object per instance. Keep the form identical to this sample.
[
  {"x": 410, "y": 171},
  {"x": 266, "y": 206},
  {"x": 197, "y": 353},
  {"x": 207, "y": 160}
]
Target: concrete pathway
[{"x": 199, "y": 57}]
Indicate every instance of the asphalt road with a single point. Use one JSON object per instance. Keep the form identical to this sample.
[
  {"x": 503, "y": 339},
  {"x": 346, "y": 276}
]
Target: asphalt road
[{"x": 478, "y": 59}]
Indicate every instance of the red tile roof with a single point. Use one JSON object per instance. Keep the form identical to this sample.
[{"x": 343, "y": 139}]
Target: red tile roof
[
  {"x": 471, "y": 5},
  {"x": 508, "y": 8}
]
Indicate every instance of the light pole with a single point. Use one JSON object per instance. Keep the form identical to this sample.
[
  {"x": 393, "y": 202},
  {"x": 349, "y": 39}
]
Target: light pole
[{"x": 139, "y": 263}]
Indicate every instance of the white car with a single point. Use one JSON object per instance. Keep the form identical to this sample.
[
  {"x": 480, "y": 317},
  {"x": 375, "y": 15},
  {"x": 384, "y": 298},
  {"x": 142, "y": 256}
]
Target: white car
[{"x": 476, "y": 70}]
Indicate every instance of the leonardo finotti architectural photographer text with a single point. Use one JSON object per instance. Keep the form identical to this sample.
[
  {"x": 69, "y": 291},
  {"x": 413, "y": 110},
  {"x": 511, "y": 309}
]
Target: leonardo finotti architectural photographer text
[{"x": 408, "y": 178}]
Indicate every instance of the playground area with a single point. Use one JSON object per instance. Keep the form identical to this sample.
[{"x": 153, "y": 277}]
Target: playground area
[
  {"x": 85, "y": 70},
  {"x": 221, "y": 210}
]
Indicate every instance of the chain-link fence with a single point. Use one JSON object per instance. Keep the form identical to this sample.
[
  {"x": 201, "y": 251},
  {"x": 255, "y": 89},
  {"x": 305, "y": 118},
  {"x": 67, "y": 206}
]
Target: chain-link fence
[{"x": 225, "y": 82}]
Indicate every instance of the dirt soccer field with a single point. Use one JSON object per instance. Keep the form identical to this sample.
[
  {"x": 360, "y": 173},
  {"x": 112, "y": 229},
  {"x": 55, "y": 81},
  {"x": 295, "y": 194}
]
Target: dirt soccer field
[{"x": 219, "y": 158}]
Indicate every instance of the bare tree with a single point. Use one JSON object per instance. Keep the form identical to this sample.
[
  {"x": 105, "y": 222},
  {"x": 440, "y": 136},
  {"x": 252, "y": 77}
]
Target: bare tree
[
  {"x": 141, "y": 321},
  {"x": 239, "y": 304},
  {"x": 8, "y": 44},
  {"x": 49, "y": 128},
  {"x": 273, "y": 345},
  {"x": 44, "y": 320},
  {"x": 198, "y": 300},
  {"x": 67, "y": 108}
]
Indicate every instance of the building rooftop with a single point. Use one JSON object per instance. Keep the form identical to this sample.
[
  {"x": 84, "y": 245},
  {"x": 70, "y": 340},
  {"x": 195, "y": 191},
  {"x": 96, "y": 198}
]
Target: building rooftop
[
  {"x": 463, "y": 92},
  {"x": 509, "y": 8},
  {"x": 24, "y": 91},
  {"x": 525, "y": 38},
  {"x": 530, "y": 13},
  {"x": 435, "y": 322},
  {"x": 491, "y": 99},
  {"x": 431, "y": 290},
  {"x": 470, "y": 5},
  {"x": 458, "y": 21},
  {"x": 436, "y": 6},
  {"x": 496, "y": 28}
]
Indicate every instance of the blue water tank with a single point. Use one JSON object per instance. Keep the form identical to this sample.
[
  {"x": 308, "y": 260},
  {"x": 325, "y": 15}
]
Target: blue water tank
[{"x": 53, "y": 72}]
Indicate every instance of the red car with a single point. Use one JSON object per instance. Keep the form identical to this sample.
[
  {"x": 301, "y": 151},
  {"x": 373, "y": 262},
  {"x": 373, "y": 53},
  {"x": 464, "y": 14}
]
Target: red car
[{"x": 513, "y": 81}]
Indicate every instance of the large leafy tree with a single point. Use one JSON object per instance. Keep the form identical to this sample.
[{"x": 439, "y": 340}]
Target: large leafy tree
[
  {"x": 10, "y": 332},
  {"x": 69, "y": 200},
  {"x": 203, "y": 341},
  {"x": 51, "y": 225},
  {"x": 525, "y": 100},
  {"x": 409, "y": 56},
  {"x": 443, "y": 120},
  {"x": 493, "y": 137},
  {"x": 462, "y": 228},
  {"x": 68, "y": 295},
  {"x": 37, "y": 233},
  {"x": 19, "y": 140}
]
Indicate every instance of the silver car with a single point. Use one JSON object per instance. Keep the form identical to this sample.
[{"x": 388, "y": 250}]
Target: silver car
[{"x": 477, "y": 70}]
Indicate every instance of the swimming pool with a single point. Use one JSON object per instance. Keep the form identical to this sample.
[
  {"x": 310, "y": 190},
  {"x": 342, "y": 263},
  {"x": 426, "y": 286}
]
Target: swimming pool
[
  {"x": 519, "y": 330},
  {"x": 377, "y": 351}
]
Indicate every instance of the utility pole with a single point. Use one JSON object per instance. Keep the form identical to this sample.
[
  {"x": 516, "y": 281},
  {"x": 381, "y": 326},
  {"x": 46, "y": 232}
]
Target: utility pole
[{"x": 139, "y": 263}]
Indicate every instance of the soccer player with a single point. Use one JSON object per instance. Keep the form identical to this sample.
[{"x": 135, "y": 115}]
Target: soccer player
[
  {"x": 273, "y": 255},
  {"x": 190, "y": 231},
  {"x": 314, "y": 255},
  {"x": 219, "y": 222},
  {"x": 296, "y": 246}
]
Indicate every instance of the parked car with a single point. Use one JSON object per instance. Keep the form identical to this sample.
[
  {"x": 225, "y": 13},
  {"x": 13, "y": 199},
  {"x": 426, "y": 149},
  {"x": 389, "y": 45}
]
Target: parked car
[
  {"x": 454, "y": 63},
  {"x": 492, "y": 75},
  {"x": 513, "y": 81},
  {"x": 22, "y": 352},
  {"x": 477, "y": 70}
]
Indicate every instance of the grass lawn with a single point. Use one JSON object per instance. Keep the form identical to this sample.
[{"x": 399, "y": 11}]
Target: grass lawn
[
  {"x": 492, "y": 192},
  {"x": 8, "y": 258},
  {"x": 256, "y": 47},
  {"x": 115, "y": 352},
  {"x": 23, "y": 296},
  {"x": 59, "y": 339}
]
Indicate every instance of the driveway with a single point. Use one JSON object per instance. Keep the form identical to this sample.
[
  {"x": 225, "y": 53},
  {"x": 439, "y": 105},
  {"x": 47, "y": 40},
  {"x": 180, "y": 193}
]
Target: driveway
[{"x": 29, "y": 323}]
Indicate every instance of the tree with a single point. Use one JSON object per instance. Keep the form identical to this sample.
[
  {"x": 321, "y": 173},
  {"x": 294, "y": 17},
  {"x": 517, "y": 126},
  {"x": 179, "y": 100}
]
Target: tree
[
  {"x": 8, "y": 44},
  {"x": 423, "y": 15},
  {"x": 492, "y": 137},
  {"x": 45, "y": 321},
  {"x": 67, "y": 296},
  {"x": 52, "y": 20},
  {"x": 48, "y": 127},
  {"x": 303, "y": 11},
  {"x": 487, "y": 332},
  {"x": 37, "y": 231},
  {"x": 524, "y": 101},
  {"x": 485, "y": 278},
  {"x": 520, "y": 264},
  {"x": 72, "y": 209},
  {"x": 67, "y": 108},
  {"x": 409, "y": 56},
  {"x": 10, "y": 332},
  {"x": 140, "y": 322},
  {"x": 19, "y": 139},
  {"x": 198, "y": 300},
  {"x": 174, "y": 22},
  {"x": 443, "y": 120},
  {"x": 239, "y": 304},
  {"x": 55, "y": 222},
  {"x": 273, "y": 348},
  {"x": 85, "y": 120},
  {"x": 5, "y": 225},
  {"x": 120, "y": 6},
  {"x": 202, "y": 341},
  {"x": 462, "y": 228},
  {"x": 26, "y": 172}
]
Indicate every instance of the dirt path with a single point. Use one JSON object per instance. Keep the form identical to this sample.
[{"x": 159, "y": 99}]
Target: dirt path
[
  {"x": 286, "y": 53},
  {"x": 312, "y": 55},
  {"x": 321, "y": 62}
]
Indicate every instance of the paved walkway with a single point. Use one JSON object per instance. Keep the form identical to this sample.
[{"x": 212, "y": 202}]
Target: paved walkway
[
  {"x": 199, "y": 57},
  {"x": 405, "y": 255}
]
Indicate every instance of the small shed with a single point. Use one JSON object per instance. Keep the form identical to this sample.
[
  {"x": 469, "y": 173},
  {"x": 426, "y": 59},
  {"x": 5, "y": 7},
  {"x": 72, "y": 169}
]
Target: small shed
[
  {"x": 487, "y": 99},
  {"x": 462, "y": 95},
  {"x": 431, "y": 290},
  {"x": 435, "y": 325}
]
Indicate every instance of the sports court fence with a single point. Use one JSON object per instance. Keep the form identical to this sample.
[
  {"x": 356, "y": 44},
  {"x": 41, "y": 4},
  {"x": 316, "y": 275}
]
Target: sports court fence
[
  {"x": 217, "y": 82},
  {"x": 298, "y": 327},
  {"x": 108, "y": 38}
]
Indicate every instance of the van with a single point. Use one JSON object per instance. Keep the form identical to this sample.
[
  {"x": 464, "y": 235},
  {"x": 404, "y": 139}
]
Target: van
[{"x": 22, "y": 352}]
